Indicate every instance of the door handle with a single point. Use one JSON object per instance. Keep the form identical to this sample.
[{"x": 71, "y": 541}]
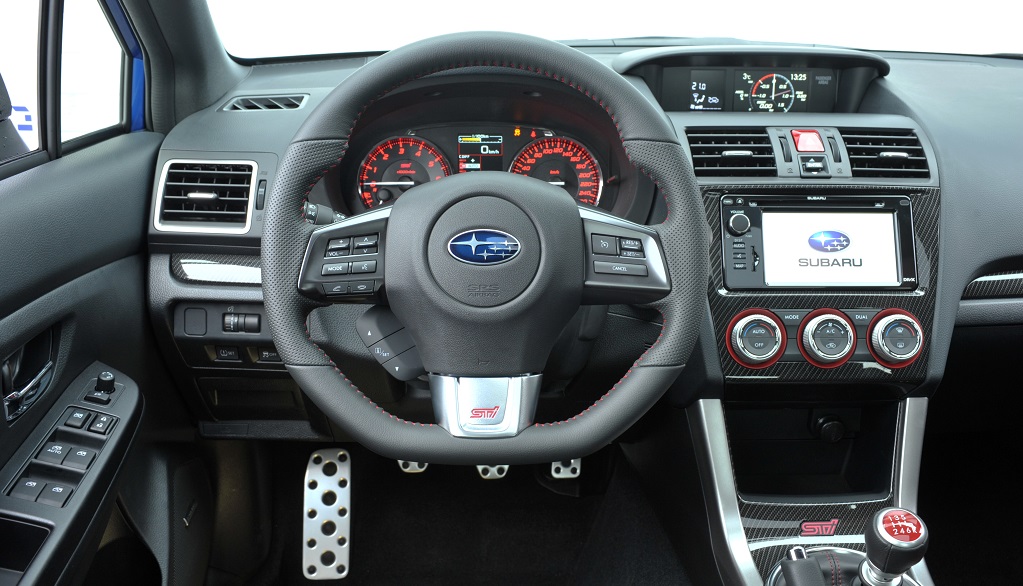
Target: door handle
[{"x": 17, "y": 402}]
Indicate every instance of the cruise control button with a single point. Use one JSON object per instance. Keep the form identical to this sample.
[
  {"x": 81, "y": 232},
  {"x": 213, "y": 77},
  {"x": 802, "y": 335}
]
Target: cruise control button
[
  {"x": 27, "y": 489},
  {"x": 80, "y": 458},
  {"x": 604, "y": 244},
  {"x": 365, "y": 241},
  {"x": 632, "y": 254},
  {"x": 631, "y": 243},
  {"x": 615, "y": 268},
  {"x": 365, "y": 266},
  {"x": 53, "y": 453},
  {"x": 55, "y": 495},
  {"x": 77, "y": 419},
  {"x": 340, "y": 268}
]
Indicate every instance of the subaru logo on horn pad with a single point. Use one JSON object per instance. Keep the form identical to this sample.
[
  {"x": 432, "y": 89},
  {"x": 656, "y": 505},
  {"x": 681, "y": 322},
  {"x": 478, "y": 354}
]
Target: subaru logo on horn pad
[
  {"x": 829, "y": 241},
  {"x": 484, "y": 247}
]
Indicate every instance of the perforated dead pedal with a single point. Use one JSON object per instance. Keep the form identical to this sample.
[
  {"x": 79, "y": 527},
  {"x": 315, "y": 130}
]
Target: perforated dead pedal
[{"x": 326, "y": 525}]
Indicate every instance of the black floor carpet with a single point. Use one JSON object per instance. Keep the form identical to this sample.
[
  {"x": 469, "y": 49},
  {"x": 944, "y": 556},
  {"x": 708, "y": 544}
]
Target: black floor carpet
[{"x": 449, "y": 526}]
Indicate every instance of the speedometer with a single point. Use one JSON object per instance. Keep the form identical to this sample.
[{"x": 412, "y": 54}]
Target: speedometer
[
  {"x": 397, "y": 165},
  {"x": 563, "y": 162}
]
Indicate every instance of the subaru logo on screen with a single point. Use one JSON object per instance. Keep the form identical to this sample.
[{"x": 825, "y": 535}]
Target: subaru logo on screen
[
  {"x": 484, "y": 247},
  {"x": 829, "y": 241}
]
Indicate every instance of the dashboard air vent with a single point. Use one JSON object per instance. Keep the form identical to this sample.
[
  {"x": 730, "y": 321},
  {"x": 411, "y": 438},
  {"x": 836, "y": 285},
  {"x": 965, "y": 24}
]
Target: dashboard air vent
[
  {"x": 206, "y": 196},
  {"x": 731, "y": 152},
  {"x": 889, "y": 153},
  {"x": 250, "y": 103}
]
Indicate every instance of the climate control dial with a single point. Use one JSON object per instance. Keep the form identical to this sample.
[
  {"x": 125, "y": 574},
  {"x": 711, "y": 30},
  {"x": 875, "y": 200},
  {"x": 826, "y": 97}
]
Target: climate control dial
[
  {"x": 896, "y": 338},
  {"x": 828, "y": 338},
  {"x": 756, "y": 339}
]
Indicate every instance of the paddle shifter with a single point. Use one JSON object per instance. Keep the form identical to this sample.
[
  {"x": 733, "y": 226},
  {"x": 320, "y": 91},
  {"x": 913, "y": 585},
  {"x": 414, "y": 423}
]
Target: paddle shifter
[{"x": 896, "y": 540}]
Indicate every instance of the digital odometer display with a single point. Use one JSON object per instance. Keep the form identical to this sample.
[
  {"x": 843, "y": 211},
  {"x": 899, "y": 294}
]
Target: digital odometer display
[
  {"x": 480, "y": 152},
  {"x": 829, "y": 249}
]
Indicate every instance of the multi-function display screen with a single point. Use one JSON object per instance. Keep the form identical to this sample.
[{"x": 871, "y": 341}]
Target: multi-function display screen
[{"x": 830, "y": 249}]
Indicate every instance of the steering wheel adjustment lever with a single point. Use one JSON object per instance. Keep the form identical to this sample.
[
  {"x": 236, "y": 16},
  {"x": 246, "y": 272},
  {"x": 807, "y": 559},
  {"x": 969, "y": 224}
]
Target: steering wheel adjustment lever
[
  {"x": 344, "y": 261},
  {"x": 483, "y": 407},
  {"x": 624, "y": 261}
]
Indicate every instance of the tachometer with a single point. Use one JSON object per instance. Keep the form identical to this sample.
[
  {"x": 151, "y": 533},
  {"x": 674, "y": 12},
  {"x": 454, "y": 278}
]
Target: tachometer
[
  {"x": 562, "y": 162},
  {"x": 397, "y": 165}
]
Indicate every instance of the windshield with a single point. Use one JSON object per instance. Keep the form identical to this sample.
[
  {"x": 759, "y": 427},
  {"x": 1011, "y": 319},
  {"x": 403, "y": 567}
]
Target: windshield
[{"x": 254, "y": 29}]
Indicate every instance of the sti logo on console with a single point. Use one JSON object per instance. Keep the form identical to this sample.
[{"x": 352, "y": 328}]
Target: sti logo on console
[
  {"x": 829, "y": 241},
  {"x": 484, "y": 247},
  {"x": 818, "y": 528}
]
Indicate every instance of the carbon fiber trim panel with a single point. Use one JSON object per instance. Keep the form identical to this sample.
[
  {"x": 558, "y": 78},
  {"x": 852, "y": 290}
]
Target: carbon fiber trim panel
[
  {"x": 1004, "y": 284},
  {"x": 768, "y": 524},
  {"x": 725, "y": 304},
  {"x": 234, "y": 269}
]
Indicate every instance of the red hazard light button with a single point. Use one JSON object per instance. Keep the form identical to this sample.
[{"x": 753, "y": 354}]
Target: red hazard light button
[{"x": 808, "y": 141}]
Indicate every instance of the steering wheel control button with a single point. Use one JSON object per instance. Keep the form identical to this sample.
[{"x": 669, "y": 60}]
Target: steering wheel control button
[
  {"x": 619, "y": 268},
  {"x": 376, "y": 324},
  {"x": 332, "y": 254},
  {"x": 807, "y": 141},
  {"x": 77, "y": 418},
  {"x": 330, "y": 269},
  {"x": 392, "y": 346},
  {"x": 756, "y": 339},
  {"x": 335, "y": 244},
  {"x": 405, "y": 366},
  {"x": 604, "y": 244},
  {"x": 53, "y": 453},
  {"x": 365, "y": 266},
  {"x": 80, "y": 458},
  {"x": 738, "y": 224},
  {"x": 365, "y": 241},
  {"x": 896, "y": 338},
  {"x": 360, "y": 287},
  {"x": 54, "y": 494},
  {"x": 332, "y": 289},
  {"x": 828, "y": 339},
  {"x": 101, "y": 424},
  {"x": 98, "y": 397},
  {"x": 27, "y": 489},
  {"x": 631, "y": 244}
]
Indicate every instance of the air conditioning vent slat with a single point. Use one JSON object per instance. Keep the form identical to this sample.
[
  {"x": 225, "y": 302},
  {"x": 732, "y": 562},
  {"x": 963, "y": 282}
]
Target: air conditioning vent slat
[
  {"x": 731, "y": 152},
  {"x": 262, "y": 103},
  {"x": 885, "y": 153},
  {"x": 206, "y": 196}
]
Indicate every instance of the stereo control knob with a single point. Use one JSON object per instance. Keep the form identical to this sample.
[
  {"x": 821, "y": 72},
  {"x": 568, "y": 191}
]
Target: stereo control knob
[
  {"x": 756, "y": 339},
  {"x": 738, "y": 224},
  {"x": 896, "y": 338},
  {"x": 828, "y": 338}
]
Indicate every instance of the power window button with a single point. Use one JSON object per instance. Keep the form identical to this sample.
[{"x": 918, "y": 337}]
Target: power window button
[
  {"x": 55, "y": 495},
  {"x": 27, "y": 489},
  {"x": 77, "y": 419},
  {"x": 53, "y": 453},
  {"x": 80, "y": 458}
]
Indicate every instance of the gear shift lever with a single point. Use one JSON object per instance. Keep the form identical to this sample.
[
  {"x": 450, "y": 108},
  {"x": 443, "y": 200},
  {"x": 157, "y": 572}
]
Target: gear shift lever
[{"x": 896, "y": 541}]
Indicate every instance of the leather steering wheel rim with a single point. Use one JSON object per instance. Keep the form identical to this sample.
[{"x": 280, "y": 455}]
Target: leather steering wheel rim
[{"x": 649, "y": 142}]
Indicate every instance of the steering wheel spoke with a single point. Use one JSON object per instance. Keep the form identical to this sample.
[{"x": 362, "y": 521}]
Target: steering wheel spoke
[
  {"x": 624, "y": 261},
  {"x": 344, "y": 261},
  {"x": 485, "y": 406}
]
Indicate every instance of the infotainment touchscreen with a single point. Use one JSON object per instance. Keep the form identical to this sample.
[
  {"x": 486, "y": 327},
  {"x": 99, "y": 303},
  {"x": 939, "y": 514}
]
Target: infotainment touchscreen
[{"x": 830, "y": 249}]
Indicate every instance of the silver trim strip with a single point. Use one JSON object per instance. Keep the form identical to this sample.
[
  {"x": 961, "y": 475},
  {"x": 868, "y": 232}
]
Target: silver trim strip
[
  {"x": 204, "y": 227},
  {"x": 909, "y": 452},
  {"x": 807, "y": 541},
  {"x": 1008, "y": 277},
  {"x": 213, "y": 272},
  {"x": 728, "y": 538}
]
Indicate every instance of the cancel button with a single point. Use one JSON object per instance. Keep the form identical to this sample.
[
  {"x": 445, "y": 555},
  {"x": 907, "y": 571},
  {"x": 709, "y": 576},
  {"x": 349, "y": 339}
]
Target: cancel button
[{"x": 619, "y": 268}]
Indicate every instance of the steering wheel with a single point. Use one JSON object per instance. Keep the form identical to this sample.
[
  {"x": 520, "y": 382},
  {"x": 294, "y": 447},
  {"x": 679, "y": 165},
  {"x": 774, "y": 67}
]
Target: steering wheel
[{"x": 485, "y": 269}]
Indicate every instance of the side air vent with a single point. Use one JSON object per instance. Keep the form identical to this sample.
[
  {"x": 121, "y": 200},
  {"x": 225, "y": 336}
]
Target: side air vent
[
  {"x": 206, "y": 196},
  {"x": 731, "y": 152},
  {"x": 888, "y": 153},
  {"x": 258, "y": 103}
]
